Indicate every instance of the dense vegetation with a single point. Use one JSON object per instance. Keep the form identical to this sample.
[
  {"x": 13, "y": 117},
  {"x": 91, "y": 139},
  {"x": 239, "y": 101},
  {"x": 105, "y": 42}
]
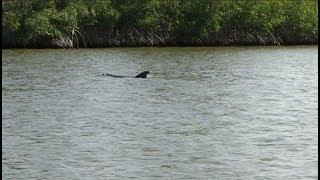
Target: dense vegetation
[{"x": 97, "y": 23}]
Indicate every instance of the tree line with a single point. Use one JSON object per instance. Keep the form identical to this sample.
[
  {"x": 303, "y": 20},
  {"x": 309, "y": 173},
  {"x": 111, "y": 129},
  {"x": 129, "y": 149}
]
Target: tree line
[{"x": 159, "y": 22}]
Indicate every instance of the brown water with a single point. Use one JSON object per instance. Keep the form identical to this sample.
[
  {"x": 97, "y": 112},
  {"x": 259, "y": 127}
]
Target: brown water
[{"x": 202, "y": 113}]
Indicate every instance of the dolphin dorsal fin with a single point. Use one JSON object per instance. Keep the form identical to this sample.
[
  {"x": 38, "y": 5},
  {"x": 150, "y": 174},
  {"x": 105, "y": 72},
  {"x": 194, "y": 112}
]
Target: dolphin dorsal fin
[{"x": 142, "y": 75}]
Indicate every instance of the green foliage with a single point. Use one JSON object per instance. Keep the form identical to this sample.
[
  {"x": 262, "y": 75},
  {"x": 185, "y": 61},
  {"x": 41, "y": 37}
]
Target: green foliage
[
  {"x": 185, "y": 19},
  {"x": 130, "y": 12},
  {"x": 38, "y": 5},
  {"x": 99, "y": 13},
  {"x": 39, "y": 25},
  {"x": 235, "y": 15},
  {"x": 302, "y": 17},
  {"x": 198, "y": 19},
  {"x": 267, "y": 15},
  {"x": 181, "y": 19},
  {"x": 13, "y": 12},
  {"x": 11, "y": 20},
  {"x": 161, "y": 16}
]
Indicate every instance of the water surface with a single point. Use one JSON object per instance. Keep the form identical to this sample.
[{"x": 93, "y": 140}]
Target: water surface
[{"x": 202, "y": 113}]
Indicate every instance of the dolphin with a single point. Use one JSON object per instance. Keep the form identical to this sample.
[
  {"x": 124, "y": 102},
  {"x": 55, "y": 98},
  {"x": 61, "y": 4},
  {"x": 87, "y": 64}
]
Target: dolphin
[{"x": 141, "y": 75}]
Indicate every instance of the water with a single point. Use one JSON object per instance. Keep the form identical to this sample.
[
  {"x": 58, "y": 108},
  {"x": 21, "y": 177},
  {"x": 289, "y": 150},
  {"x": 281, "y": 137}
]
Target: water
[{"x": 202, "y": 113}]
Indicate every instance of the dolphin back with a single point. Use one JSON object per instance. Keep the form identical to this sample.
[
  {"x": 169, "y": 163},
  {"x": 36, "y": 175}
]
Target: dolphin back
[
  {"x": 107, "y": 74},
  {"x": 141, "y": 75}
]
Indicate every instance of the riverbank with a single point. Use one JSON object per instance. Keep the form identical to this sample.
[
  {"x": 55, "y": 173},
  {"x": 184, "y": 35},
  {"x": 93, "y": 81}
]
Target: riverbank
[{"x": 101, "y": 39}]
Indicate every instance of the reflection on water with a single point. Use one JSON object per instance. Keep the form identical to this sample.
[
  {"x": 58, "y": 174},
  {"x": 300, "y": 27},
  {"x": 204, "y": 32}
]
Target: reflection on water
[{"x": 202, "y": 113}]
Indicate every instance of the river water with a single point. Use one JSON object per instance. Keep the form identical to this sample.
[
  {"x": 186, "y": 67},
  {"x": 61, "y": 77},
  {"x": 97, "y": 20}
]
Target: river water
[{"x": 202, "y": 113}]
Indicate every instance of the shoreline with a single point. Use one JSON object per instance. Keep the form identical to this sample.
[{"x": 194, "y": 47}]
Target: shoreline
[
  {"x": 168, "y": 46},
  {"x": 101, "y": 39}
]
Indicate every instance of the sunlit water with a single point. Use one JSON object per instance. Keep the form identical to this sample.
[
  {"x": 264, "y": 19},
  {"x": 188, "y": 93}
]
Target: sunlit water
[{"x": 202, "y": 113}]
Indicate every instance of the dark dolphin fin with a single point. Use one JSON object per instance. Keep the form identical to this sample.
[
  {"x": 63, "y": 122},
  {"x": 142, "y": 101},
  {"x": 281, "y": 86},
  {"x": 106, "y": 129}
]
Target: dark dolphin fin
[{"x": 142, "y": 75}]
